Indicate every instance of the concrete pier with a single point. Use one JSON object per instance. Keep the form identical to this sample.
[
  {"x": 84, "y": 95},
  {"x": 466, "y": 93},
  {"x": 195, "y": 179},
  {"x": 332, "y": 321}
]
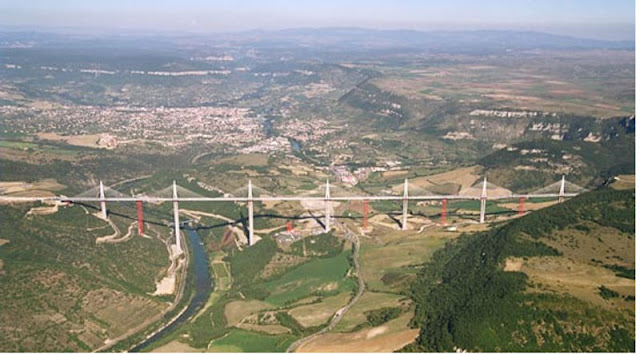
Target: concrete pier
[
  {"x": 140, "y": 218},
  {"x": 176, "y": 219}
]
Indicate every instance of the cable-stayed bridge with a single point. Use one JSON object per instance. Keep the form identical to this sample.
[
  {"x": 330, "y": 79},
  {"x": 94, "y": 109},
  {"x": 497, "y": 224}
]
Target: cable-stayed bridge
[{"x": 481, "y": 191}]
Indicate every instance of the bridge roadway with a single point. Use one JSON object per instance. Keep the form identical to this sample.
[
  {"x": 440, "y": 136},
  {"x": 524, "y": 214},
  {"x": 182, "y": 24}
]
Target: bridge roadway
[
  {"x": 151, "y": 199},
  {"x": 250, "y": 199}
]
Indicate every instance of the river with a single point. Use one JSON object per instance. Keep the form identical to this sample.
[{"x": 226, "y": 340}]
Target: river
[
  {"x": 267, "y": 129},
  {"x": 203, "y": 287},
  {"x": 267, "y": 126}
]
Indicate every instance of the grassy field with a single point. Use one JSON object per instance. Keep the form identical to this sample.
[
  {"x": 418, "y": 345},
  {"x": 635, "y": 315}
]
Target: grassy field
[
  {"x": 239, "y": 340},
  {"x": 581, "y": 280},
  {"x": 474, "y": 206},
  {"x": 237, "y": 310},
  {"x": 176, "y": 347},
  {"x": 31, "y": 147},
  {"x": 319, "y": 276},
  {"x": 319, "y": 313},
  {"x": 388, "y": 267},
  {"x": 222, "y": 275},
  {"x": 369, "y": 301},
  {"x": 17, "y": 145},
  {"x": 386, "y": 338},
  {"x": 625, "y": 182}
]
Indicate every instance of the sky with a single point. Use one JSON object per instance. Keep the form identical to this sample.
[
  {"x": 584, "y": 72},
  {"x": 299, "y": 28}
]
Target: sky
[{"x": 602, "y": 19}]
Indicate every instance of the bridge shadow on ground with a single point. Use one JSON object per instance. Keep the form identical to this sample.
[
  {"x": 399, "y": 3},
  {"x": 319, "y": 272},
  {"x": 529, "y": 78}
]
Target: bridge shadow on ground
[
  {"x": 127, "y": 216},
  {"x": 243, "y": 220}
]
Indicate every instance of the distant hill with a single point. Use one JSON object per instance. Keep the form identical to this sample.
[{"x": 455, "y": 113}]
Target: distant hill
[
  {"x": 529, "y": 165},
  {"x": 558, "y": 279},
  {"x": 446, "y": 41},
  {"x": 354, "y": 39}
]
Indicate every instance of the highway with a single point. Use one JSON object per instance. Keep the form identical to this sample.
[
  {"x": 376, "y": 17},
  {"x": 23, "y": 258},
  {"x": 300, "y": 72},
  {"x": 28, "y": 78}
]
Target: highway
[{"x": 151, "y": 199}]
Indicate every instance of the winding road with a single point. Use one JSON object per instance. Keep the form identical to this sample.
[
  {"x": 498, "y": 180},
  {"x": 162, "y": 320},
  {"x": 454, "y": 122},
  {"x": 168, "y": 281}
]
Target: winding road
[{"x": 350, "y": 236}]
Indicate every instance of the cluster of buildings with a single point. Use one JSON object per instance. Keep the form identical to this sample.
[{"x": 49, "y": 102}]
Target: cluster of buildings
[
  {"x": 213, "y": 58},
  {"x": 228, "y": 127},
  {"x": 510, "y": 114},
  {"x": 305, "y": 131},
  {"x": 130, "y": 72},
  {"x": 363, "y": 173},
  {"x": 287, "y": 237},
  {"x": 349, "y": 178},
  {"x": 109, "y": 141},
  {"x": 183, "y": 73},
  {"x": 232, "y": 129},
  {"x": 345, "y": 176},
  {"x": 273, "y": 144}
]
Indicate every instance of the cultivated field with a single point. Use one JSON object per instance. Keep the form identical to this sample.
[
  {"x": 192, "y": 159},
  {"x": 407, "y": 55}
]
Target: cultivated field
[{"x": 387, "y": 338}]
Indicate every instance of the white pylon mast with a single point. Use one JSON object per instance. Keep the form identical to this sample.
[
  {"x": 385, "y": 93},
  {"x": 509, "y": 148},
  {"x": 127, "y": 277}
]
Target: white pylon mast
[
  {"x": 483, "y": 200},
  {"x": 250, "y": 207},
  {"x": 405, "y": 204},
  {"x": 103, "y": 204},
  {"x": 176, "y": 219},
  {"x": 561, "y": 193},
  {"x": 327, "y": 208}
]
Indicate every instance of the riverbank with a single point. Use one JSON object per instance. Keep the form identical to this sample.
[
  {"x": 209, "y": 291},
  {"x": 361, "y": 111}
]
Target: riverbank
[
  {"x": 202, "y": 286},
  {"x": 129, "y": 339}
]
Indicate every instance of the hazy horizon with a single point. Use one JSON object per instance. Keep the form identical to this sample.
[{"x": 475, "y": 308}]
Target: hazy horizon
[{"x": 594, "y": 19}]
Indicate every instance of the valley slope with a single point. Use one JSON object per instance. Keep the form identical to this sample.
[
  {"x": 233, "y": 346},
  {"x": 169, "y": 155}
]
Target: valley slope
[{"x": 558, "y": 279}]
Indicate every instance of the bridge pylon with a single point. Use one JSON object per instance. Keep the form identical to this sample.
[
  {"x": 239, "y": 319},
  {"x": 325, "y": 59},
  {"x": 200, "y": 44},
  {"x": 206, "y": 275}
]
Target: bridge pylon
[
  {"x": 483, "y": 201},
  {"x": 250, "y": 207},
  {"x": 103, "y": 204},
  {"x": 327, "y": 208},
  {"x": 560, "y": 189},
  {"x": 176, "y": 219},
  {"x": 405, "y": 204}
]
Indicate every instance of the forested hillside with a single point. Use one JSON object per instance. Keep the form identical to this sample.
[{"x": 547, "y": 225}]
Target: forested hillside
[
  {"x": 60, "y": 290},
  {"x": 490, "y": 292}
]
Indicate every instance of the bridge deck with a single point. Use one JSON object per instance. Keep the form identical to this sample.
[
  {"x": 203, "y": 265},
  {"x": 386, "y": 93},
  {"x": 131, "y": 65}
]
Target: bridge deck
[{"x": 149, "y": 199}]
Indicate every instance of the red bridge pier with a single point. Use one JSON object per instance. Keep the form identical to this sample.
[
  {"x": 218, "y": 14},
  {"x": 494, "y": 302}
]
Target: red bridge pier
[
  {"x": 521, "y": 206},
  {"x": 365, "y": 215},
  {"x": 140, "y": 218},
  {"x": 443, "y": 213}
]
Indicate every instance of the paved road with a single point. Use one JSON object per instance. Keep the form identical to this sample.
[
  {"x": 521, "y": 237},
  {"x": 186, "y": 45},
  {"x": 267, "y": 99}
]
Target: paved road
[{"x": 350, "y": 236}]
